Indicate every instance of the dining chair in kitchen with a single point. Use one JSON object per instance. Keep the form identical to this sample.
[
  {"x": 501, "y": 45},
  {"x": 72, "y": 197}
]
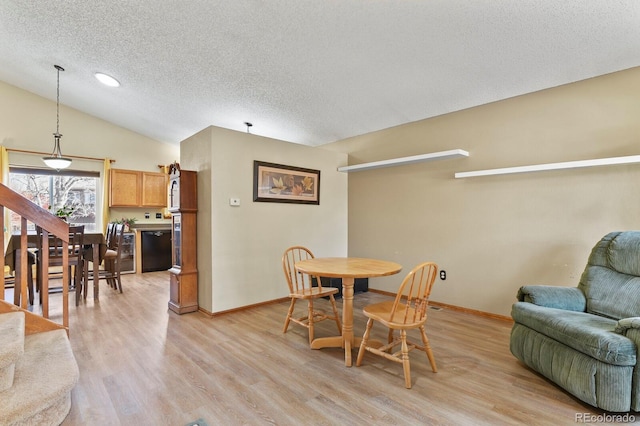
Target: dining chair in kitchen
[
  {"x": 111, "y": 258},
  {"x": 408, "y": 311},
  {"x": 108, "y": 236},
  {"x": 55, "y": 252},
  {"x": 303, "y": 286}
]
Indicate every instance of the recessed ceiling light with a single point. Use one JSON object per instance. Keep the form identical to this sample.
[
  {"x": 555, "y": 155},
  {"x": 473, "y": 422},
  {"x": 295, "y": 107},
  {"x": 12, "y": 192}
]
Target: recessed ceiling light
[{"x": 107, "y": 80}]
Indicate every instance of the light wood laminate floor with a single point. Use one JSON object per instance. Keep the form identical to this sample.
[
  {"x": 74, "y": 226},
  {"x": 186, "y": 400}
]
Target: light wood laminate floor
[{"x": 141, "y": 364}]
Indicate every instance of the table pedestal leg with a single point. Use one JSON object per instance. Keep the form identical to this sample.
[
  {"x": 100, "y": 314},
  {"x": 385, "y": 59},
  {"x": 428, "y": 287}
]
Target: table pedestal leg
[
  {"x": 347, "y": 319},
  {"x": 346, "y": 341}
]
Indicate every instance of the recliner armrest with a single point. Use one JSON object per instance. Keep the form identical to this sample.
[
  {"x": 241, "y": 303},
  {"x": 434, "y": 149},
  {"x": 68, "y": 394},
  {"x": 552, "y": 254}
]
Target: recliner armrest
[
  {"x": 567, "y": 298},
  {"x": 627, "y": 324}
]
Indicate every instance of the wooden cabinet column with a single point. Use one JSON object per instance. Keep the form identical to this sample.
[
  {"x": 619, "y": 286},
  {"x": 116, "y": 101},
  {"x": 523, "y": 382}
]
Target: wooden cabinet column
[{"x": 183, "y": 205}]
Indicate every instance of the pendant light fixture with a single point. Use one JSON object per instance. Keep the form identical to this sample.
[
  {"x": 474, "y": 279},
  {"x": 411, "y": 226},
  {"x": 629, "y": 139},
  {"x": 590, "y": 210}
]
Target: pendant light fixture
[{"x": 56, "y": 160}]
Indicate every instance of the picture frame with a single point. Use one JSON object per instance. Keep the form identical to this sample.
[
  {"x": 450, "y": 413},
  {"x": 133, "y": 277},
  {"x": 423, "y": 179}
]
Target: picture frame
[{"x": 279, "y": 183}]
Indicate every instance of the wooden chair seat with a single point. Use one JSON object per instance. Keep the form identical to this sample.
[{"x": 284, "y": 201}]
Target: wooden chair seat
[
  {"x": 303, "y": 286},
  {"x": 381, "y": 312},
  {"x": 108, "y": 244},
  {"x": 408, "y": 311},
  {"x": 110, "y": 254},
  {"x": 313, "y": 292}
]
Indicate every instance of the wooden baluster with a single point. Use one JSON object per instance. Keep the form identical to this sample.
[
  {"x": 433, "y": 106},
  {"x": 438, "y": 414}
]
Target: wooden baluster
[
  {"x": 42, "y": 219},
  {"x": 2, "y": 253},
  {"x": 44, "y": 272},
  {"x": 65, "y": 283},
  {"x": 24, "y": 262}
]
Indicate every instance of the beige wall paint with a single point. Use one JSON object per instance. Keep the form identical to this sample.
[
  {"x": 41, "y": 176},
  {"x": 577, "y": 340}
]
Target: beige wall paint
[
  {"x": 495, "y": 234},
  {"x": 242, "y": 266},
  {"x": 491, "y": 234},
  {"x": 195, "y": 154},
  {"x": 27, "y": 122}
]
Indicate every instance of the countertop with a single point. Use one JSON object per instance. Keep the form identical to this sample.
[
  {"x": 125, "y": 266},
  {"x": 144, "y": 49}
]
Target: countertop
[{"x": 164, "y": 226}]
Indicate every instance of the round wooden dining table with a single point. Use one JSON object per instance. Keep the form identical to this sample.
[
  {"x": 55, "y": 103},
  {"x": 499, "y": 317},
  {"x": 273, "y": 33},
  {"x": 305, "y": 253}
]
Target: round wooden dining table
[{"x": 347, "y": 268}]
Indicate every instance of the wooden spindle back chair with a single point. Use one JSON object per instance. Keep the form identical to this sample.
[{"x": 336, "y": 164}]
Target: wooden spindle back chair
[
  {"x": 111, "y": 258},
  {"x": 408, "y": 311},
  {"x": 108, "y": 236},
  {"x": 303, "y": 286}
]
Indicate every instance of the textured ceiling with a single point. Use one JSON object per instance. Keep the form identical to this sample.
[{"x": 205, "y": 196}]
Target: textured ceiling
[{"x": 304, "y": 71}]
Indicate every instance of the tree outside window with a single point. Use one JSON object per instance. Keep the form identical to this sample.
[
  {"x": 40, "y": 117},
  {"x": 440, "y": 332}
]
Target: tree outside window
[{"x": 71, "y": 196}]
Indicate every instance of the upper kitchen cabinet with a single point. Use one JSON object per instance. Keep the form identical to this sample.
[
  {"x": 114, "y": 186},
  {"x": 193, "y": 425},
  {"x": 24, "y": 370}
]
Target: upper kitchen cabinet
[
  {"x": 133, "y": 188},
  {"x": 125, "y": 188},
  {"x": 154, "y": 189}
]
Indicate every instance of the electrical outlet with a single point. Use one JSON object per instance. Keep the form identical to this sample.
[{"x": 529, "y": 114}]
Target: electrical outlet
[
  {"x": 147, "y": 215},
  {"x": 443, "y": 275}
]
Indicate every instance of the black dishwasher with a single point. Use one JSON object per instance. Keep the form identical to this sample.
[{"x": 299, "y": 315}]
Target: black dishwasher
[{"x": 156, "y": 250}]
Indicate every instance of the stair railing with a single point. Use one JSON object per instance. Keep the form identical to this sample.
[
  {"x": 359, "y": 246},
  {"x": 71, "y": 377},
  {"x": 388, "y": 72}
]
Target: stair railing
[{"x": 50, "y": 224}]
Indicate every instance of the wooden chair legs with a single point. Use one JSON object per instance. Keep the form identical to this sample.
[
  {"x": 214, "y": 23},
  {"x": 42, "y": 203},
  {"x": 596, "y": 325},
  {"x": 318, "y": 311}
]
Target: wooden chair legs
[
  {"x": 427, "y": 349},
  {"x": 109, "y": 274},
  {"x": 401, "y": 357},
  {"x": 17, "y": 280},
  {"x": 407, "y": 312},
  {"x": 365, "y": 340},
  {"x": 335, "y": 313},
  {"x": 304, "y": 286},
  {"x": 112, "y": 268},
  {"x": 80, "y": 282},
  {"x": 406, "y": 366},
  {"x": 312, "y": 317},
  {"x": 287, "y": 320}
]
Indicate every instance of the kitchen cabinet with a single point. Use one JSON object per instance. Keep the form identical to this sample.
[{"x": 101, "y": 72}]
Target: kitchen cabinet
[
  {"x": 154, "y": 189},
  {"x": 134, "y": 188}
]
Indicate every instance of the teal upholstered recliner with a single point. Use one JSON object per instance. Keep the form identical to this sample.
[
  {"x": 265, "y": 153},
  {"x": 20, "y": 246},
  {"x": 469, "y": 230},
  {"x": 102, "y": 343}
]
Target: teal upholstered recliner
[{"x": 586, "y": 338}]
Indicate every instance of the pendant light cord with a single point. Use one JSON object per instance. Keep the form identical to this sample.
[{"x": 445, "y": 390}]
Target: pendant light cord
[
  {"x": 56, "y": 160},
  {"x": 58, "y": 104},
  {"x": 59, "y": 68}
]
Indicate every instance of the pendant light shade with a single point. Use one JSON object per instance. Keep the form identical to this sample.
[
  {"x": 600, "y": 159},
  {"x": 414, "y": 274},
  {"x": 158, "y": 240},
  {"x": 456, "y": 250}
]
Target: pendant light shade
[{"x": 56, "y": 160}]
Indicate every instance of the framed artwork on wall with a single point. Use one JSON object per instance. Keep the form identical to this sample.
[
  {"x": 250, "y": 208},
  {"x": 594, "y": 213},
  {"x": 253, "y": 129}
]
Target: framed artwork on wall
[{"x": 277, "y": 183}]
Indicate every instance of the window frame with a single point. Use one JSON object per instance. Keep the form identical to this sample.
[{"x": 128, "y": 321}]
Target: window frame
[{"x": 67, "y": 173}]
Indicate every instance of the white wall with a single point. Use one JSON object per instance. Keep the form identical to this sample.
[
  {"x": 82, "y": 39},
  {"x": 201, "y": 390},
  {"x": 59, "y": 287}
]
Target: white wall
[{"x": 247, "y": 242}]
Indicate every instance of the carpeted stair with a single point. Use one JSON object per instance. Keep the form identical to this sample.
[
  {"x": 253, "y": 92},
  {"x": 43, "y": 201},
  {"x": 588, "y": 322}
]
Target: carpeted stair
[{"x": 37, "y": 373}]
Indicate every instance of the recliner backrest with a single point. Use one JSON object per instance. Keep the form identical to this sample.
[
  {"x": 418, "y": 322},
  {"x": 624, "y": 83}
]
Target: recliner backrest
[{"x": 611, "y": 280}]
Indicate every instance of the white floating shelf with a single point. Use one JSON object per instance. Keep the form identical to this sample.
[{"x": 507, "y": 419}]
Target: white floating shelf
[
  {"x": 442, "y": 155},
  {"x": 552, "y": 166}
]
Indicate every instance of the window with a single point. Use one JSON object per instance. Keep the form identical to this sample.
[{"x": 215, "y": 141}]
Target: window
[{"x": 66, "y": 192}]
